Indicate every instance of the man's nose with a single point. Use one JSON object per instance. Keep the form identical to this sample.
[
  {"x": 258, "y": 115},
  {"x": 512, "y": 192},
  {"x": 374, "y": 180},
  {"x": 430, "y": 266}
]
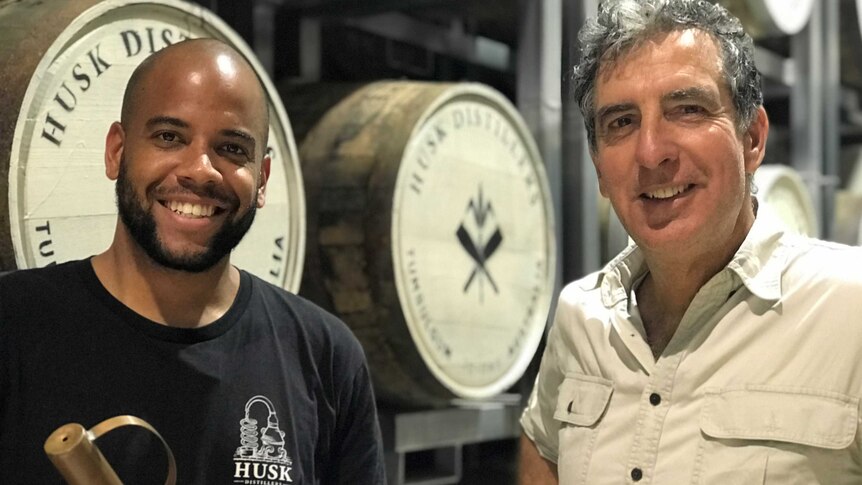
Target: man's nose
[
  {"x": 654, "y": 144},
  {"x": 197, "y": 169}
]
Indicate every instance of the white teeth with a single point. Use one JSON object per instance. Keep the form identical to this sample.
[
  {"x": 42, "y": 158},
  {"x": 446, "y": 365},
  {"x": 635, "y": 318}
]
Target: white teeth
[
  {"x": 666, "y": 193},
  {"x": 191, "y": 210}
]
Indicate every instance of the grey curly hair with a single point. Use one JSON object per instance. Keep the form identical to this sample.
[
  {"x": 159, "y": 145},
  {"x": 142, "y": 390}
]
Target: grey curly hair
[{"x": 623, "y": 24}]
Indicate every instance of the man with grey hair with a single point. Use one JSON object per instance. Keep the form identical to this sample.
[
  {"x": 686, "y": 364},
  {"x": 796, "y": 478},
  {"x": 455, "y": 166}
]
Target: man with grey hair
[{"x": 706, "y": 352}]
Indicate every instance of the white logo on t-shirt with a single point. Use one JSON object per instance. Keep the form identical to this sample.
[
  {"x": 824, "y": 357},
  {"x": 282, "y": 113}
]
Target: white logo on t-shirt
[{"x": 261, "y": 458}]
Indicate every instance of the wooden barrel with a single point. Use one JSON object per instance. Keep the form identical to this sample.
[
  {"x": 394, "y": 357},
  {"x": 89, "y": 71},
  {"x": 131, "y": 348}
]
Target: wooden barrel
[
  {"x": 781, "y": 190},
  {"x": 65, "y": 67},
  {"x": 771, "y": 18},
  {"x": 430, "y": 232}
]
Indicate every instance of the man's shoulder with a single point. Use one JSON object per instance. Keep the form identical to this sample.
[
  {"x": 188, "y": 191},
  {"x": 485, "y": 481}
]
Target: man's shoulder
[
  {"x": 287, "y": 301},
  {"x": 57, "y": 275},
  {"x": 582, "y": 299},
  {"x": 288, "y": 308},
  {"x": 824, "y": 261}
]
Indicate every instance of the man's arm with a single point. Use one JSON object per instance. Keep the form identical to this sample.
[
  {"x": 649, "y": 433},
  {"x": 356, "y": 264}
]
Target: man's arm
[
  {"x": 533, "y": 469},
  {"x": 358, "y": 457}
]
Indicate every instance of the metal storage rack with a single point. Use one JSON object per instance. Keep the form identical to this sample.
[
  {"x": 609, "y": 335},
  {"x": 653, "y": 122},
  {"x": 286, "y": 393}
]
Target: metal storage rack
[{"x": 442, "y": 433}]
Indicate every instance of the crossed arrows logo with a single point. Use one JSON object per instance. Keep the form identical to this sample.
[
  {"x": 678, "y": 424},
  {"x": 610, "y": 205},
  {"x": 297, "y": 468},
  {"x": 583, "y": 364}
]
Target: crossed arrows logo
[{"x": 481, "y": 212}]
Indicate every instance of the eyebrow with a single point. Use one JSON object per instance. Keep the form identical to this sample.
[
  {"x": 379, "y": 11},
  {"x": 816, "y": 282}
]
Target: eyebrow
[
  {"x": 238, "y": 134},
  {"x": 166, "y": 120},
  {"x": 692, "y": 93}
]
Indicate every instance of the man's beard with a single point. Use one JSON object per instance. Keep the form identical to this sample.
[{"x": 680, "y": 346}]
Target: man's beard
[{"x": 142, "y": 226}]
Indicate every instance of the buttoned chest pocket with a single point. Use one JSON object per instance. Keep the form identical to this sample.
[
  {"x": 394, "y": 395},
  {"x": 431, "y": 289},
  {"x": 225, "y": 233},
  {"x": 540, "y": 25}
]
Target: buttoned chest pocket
[
  {"x": 581, "y": 404},
  {"x": 777, "y": 436}
]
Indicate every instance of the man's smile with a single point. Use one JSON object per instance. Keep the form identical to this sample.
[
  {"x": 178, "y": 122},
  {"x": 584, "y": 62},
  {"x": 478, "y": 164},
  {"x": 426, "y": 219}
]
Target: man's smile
[
  {"x": 191, "y": 210},
  {"x": 667, "y": 192}
]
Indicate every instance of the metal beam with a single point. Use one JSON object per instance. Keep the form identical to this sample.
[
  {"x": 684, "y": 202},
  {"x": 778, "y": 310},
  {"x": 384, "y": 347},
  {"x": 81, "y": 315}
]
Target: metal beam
[
  {"x": 452, "y": 41},
  {"x": 540, "y": 39},
  {"x": 832, "y": 112},
  {"x": 814, "y": 116},
  {"x": 580, "y": 217}
]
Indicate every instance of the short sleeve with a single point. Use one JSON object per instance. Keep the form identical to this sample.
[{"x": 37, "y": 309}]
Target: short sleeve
[
  {"x": 537, "y": 420},
  {"x": 358, "y": 454}
]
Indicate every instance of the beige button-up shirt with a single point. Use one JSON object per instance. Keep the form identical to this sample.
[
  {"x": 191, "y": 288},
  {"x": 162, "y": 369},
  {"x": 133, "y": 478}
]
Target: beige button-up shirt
[{"x": 760, "y": 384}]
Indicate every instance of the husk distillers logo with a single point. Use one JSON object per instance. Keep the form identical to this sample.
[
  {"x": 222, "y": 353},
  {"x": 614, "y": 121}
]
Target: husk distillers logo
[
  {"x": 261, "y": 458},
  {"x": 480, "y": 236}
]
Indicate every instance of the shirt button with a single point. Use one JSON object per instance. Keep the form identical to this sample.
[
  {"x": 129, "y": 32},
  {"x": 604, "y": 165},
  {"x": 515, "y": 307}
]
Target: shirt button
[
  {"x": 654, "y": 399},
  {"x": 637, "y": 474}
]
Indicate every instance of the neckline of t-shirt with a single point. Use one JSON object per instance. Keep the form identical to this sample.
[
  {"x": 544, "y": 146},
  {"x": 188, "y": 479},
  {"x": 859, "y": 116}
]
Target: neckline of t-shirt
[{"x": 163, "y": 332}]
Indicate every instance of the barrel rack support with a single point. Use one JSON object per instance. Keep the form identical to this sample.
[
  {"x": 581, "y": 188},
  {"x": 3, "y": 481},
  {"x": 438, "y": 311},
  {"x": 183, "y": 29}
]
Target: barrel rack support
[{"x": 441, "y": 434}]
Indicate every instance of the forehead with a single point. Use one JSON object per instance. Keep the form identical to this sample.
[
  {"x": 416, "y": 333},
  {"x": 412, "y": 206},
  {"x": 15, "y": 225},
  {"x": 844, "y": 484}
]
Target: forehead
[
  {"x": 664, "y": 61},
  {"x": 204, "y": 87}
]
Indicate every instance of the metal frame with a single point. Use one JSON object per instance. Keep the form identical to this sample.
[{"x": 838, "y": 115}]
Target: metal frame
[
  {"x": 814, "y": 105},
  {"x": 538, "y": 94},
  {"x": 444, "y": 432},
  {"x": 580, "y": 213}
]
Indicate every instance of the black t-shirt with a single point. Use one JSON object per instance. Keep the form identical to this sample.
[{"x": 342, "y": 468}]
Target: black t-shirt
[{"x": 275, "y": 392}]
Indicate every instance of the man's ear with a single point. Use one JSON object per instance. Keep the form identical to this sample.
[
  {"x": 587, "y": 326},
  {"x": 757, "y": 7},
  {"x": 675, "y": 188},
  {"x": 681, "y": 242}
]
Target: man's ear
[
  {"x": 264, "y": 178},
  {"x": 114, "y": 144},
  {"x": 754, "y": 141}
]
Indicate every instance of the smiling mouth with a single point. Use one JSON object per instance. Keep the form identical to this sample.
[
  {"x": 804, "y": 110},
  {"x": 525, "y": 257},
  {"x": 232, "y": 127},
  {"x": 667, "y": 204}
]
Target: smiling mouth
[
  {"x": 667, "y": 193},
  {"x": 192, "y": 211}
]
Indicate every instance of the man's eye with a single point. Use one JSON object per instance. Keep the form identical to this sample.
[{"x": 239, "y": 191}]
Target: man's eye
[
  {"x": 620, "y": 122},
  {"x": 234, "y": 149},
  {"x": 691, "y": 109},
  {"x": 167, "y": 136}
]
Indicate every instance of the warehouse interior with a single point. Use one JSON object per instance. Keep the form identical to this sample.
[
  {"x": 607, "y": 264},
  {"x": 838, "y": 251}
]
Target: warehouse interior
[
  {"x": 811, "y": 62},
  {"x": 524, "y": 48}
]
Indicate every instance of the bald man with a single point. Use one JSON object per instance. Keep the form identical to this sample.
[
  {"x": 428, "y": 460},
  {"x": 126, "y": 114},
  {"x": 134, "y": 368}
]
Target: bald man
[{"x": 246, "y": 382}]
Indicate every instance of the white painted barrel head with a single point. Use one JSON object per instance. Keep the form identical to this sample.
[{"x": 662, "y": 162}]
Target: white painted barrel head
[
  {"x": 769, "y": 18},
  {"x": 787, "y": 16},
  {"x": 782, "y": 191},
  {"x": 473, "y": 240},
  {"x": 61, "y": 205}
]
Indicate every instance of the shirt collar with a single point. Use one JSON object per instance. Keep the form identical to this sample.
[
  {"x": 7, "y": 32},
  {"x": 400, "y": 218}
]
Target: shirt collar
[
  {"x": 761, "y": 259},
  {"x": 616, "y": 278},
  {"x": 758, "y": 263}
]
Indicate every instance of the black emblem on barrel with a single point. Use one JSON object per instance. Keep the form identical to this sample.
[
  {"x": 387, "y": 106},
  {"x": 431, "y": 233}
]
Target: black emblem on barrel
[{"x": 478, "y": 215}]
